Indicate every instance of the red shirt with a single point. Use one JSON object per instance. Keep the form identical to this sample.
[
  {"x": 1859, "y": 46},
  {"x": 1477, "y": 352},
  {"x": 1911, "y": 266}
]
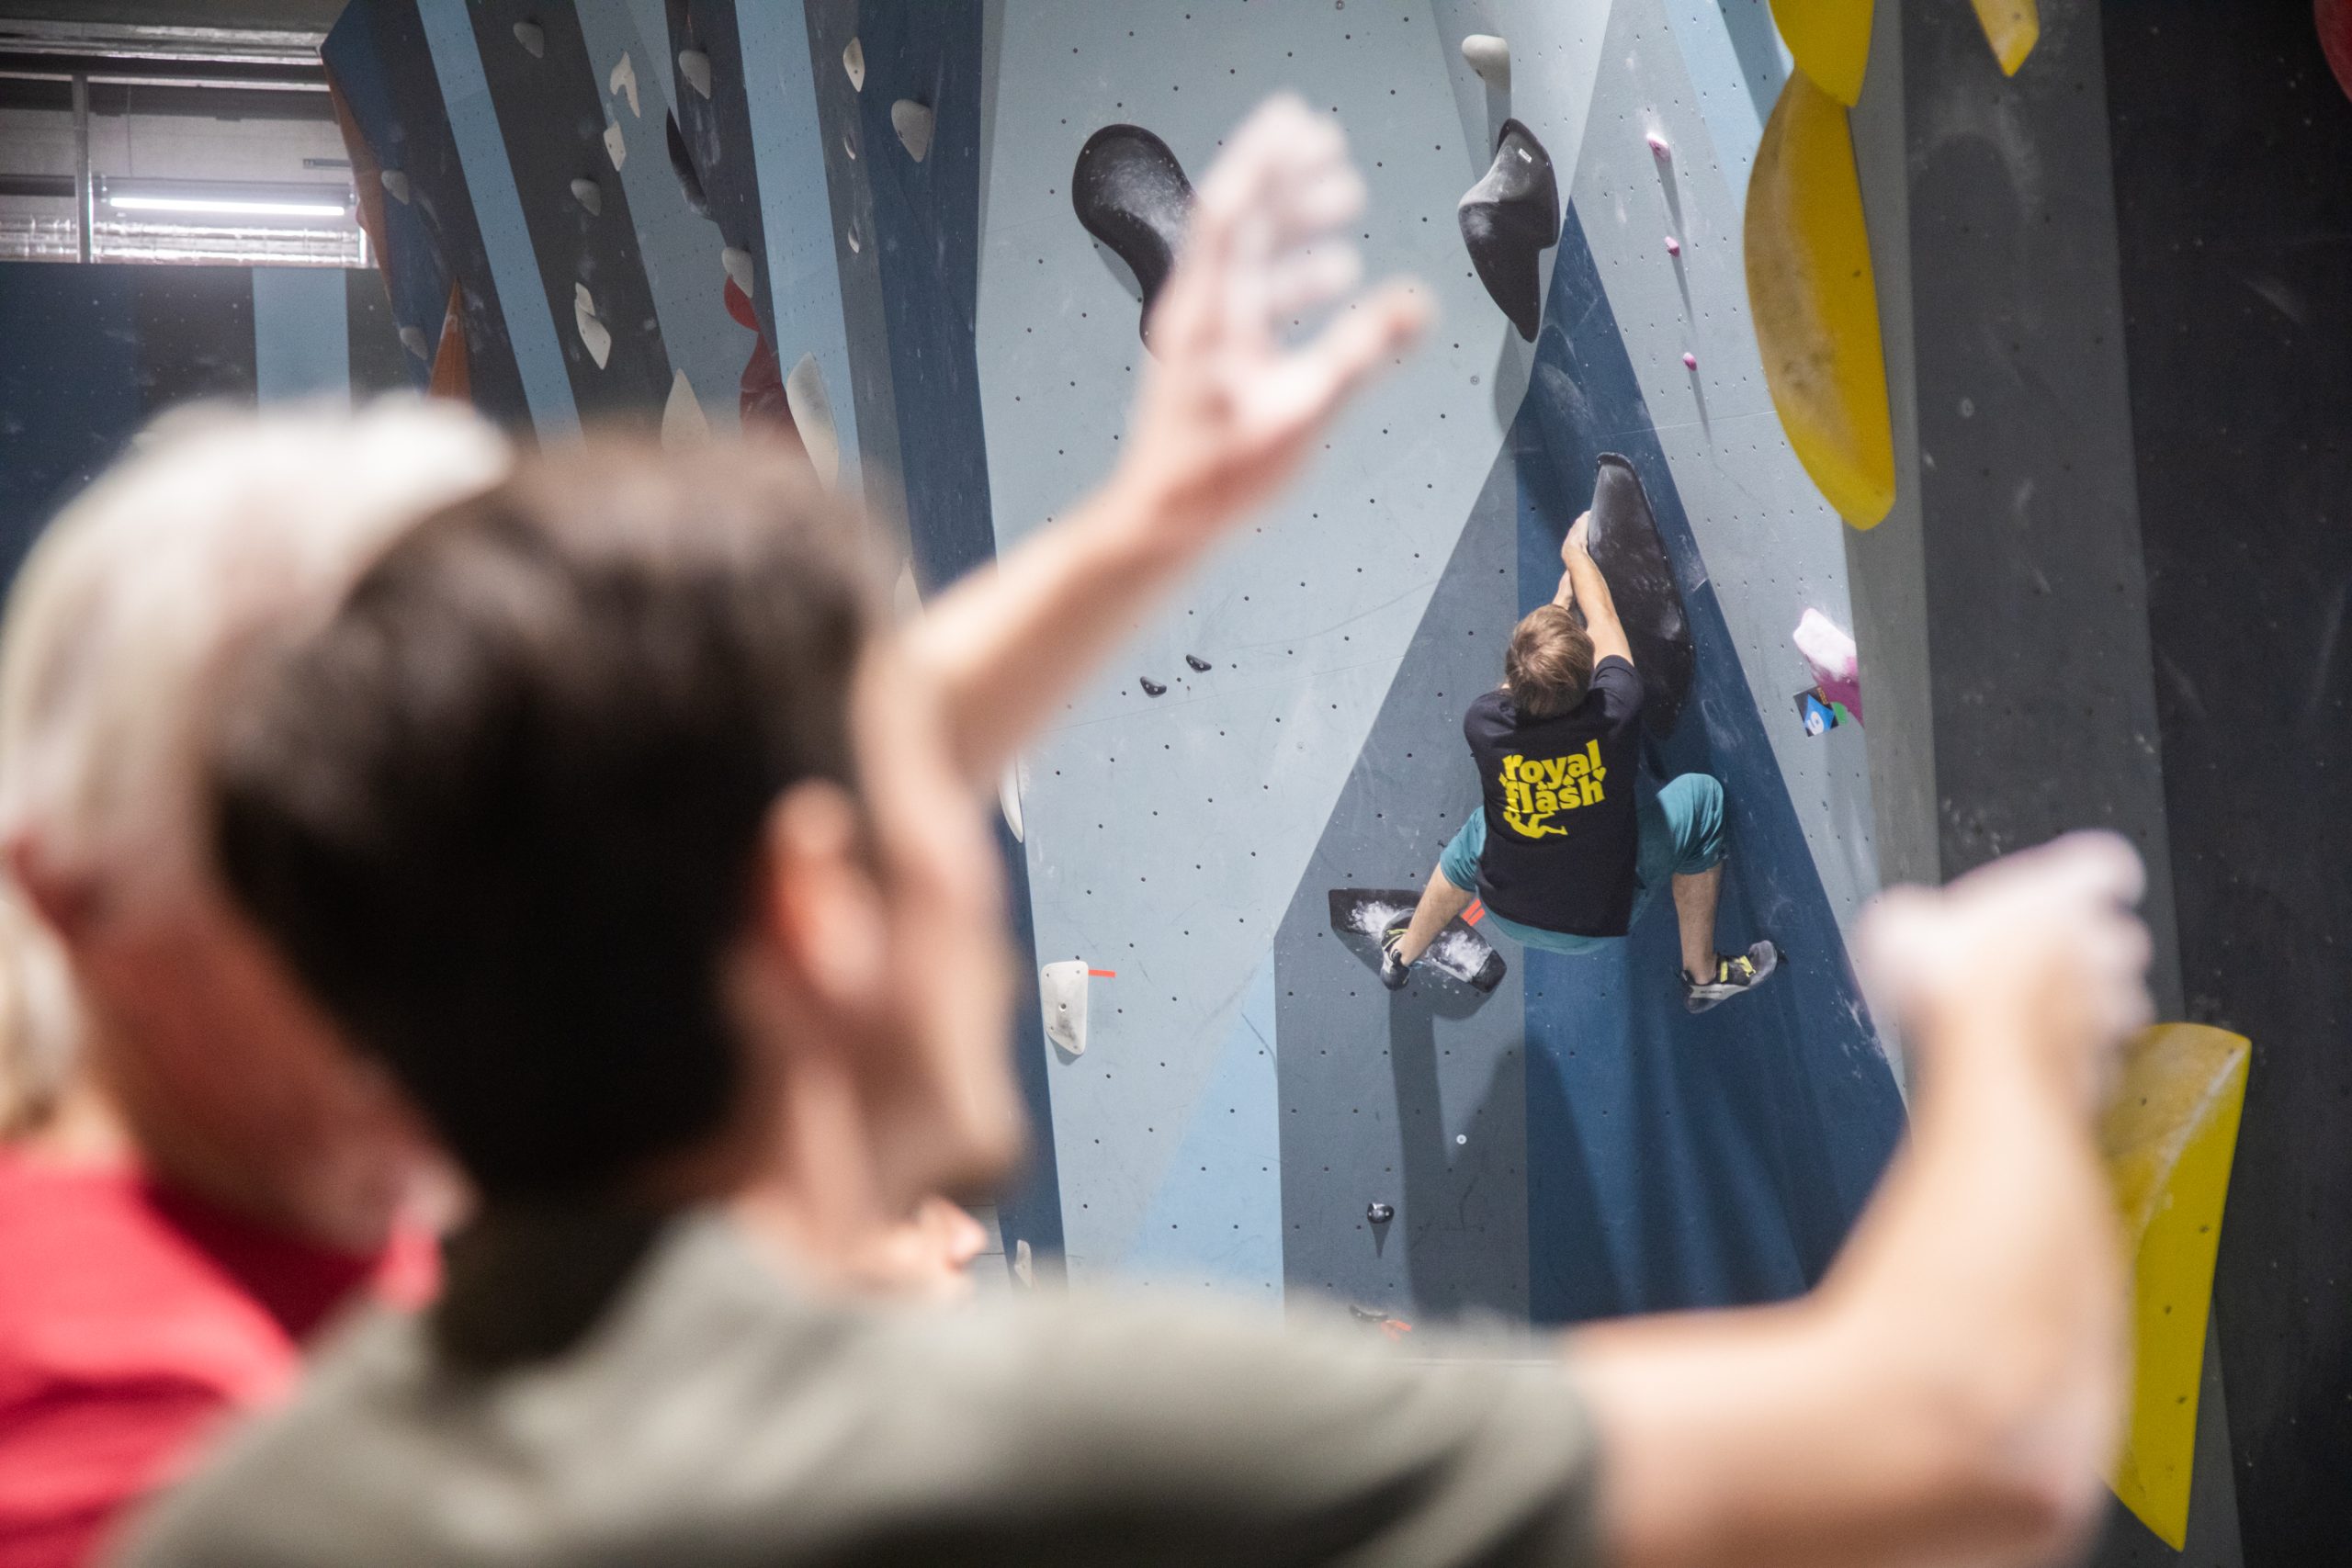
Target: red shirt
[{"x": 134, "y": 1320}]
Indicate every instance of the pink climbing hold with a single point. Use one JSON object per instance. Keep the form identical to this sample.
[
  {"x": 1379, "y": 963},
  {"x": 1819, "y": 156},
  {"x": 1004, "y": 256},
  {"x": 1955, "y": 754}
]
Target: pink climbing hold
[
  {"x": 1658, "y": 146},
  {"x": 1689, "y": 362},
  {"x": 1830, "y": 654},
  {"x": 1673, "y": 246}
]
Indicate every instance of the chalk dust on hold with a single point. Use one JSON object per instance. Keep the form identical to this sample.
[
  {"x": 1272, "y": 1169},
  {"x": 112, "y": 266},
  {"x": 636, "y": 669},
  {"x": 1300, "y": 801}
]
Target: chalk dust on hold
[
  {"x": 1374, "y": 919},
  {"x": 1458, "y": 953}
]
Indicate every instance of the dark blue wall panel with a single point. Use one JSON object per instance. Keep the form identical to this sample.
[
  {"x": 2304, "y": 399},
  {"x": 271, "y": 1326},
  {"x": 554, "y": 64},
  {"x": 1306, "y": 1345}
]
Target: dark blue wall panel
[{"x": 1677, "y": 1161}]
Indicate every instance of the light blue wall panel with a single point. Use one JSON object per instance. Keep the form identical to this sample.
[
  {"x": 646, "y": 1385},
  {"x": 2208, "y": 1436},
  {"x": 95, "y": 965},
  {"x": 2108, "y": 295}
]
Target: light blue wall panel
[{"x": 302, "y": 334}]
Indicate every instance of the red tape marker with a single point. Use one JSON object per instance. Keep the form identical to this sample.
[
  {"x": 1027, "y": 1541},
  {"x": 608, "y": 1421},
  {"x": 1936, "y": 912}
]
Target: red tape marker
[
  {"x": 1105, "y": 974},
  {"x": 1475, "y": 913}
]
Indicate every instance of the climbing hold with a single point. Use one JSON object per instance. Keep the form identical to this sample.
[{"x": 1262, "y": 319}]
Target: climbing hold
[
  {"x": 1008, "y": 799},
  {"x": 849, "y": 147},
  {"x": 594, "y": 334},
  {"x": 1830, "y": 41},
  {"x": 395, "y": 185},
  {"x": 1625, "y": 545},
  {"x": 2334, "y": 20},
  {"x": 1658, "y": 145},
  {"x": 694, "y": 66},
  {"x": 1196, "y": 662},
  {"x": 1830, "y": 654},
  {"x": 2012, "y": 28},
  {"x": 850, "y": 235},
  {"x": 1490, "y": 58},
  {"x": 588, "y": 194},
  {"x": 1130, "y": 193},
  {"x": 812, "y": 416},
  {"x": 1061, "y": 992},
  {"x": 853, "y": 62},
  {"x": 682, "y": 421},
  {"x": 615, "y": 147},
  {"x": 913, "y": 122},
  {"x": 1152, "y": 688},
  {"x": 413, "y": 339},
  {"x": 1508, "y": 219},
  {"x": 1459, "y": 952},
  {"x": 2169, "y": 1136},
  {"x": 738, "y": 264},
  {"x": 682, "y": 165},
  {"x": 1814, "y": 302},
  {"x": 1379, "y": 1213},
  {"x": 1673, "y": 246},
  {"x": 1024, "y": 1265},
  {"x": 622, "y": 82},
  {"x": 533, "y": 38},
  {"x": 1690, "y": 360}
]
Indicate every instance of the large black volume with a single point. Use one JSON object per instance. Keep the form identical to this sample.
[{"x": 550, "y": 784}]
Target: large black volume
[
  {"x": 1625, "y": 546},
  {"x": 1130, "y": 193},
  {"x": 1508, "y": 219}
]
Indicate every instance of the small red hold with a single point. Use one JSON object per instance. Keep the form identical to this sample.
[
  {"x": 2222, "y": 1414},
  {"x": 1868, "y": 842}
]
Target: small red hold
[
  {"x": 1689, "y": 362},
  {"x": 1673, "y": 246}
]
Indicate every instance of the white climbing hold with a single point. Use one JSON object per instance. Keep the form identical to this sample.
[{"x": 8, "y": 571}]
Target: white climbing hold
[
  {"x": 1061, "y": 992},
  {"x": 395, "y": 185},
  {"x": 615, "y": 147},
  {"x": 1490, "y": 57},
  {"x": 855, "y": 247},
  {"x": 531, "y": 37},
  {"x": 1658, "y": 146},
  {"x": 623, "y": 83},
  {"x": 590, "y": 195},
  {"x": 913, "y": 123},
  {"x": 1008, "y": 800},
  {"x": 1673, "y": 246},
  {"x": 739, "y": 267},
  {"x": 812, "y": 416},
  {"x": 594, "y": 334},
  {"x": 1024, "y": 1265},
  {"x": 1689, "y": 362},
  {"x": 853, "y": 62},
  {"x": 682, "y": 421},
  {"x": 694, "y": 66},
  {"x": 849, "y": 147},
  {"x": 413, "y": 339}
]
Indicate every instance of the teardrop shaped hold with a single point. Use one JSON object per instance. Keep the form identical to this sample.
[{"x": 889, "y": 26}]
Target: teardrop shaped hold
[
  {"x": 1813, "y": 297},
  {"x": 1489, "y": 56},
  {"x": 736, "y": 265},
  {"x": 1624, "y": 543},
  {"x": 590, "y": 195},
  {"x": 1830, "y": 41},
  {"x": 533, "y": 38},
  {"x": 395, "y": 186},
  {"x": 1129, "y": 192},
  {"x": 853, "y": 62},
  {"x": 2012, "y": 28},
  {"x": 913, "y": 122},
  {"x": 694, "y": 66},
  {"x": 812, "y": 415},
  {"x": 1508, "y": 219}
]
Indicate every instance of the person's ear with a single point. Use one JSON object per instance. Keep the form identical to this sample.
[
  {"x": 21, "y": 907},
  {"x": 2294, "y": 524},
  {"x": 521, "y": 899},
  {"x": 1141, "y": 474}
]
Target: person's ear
[
  {"x": 65, "y": 904},
  {"x": 821, "y": 910}
]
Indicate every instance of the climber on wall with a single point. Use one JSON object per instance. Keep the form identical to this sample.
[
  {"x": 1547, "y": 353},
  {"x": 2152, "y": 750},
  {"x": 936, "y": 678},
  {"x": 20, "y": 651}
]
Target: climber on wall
[{"x": 1563, "y": 854}]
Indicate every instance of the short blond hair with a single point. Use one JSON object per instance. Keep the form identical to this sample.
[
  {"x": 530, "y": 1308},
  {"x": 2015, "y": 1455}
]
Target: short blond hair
[{"x": 219, "y": 529}]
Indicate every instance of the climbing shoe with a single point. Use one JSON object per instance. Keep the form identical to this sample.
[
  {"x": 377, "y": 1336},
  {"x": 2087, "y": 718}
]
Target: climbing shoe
[
  {"x": 1393, "y": 968},
  {"x": 1733, "y": 977}
]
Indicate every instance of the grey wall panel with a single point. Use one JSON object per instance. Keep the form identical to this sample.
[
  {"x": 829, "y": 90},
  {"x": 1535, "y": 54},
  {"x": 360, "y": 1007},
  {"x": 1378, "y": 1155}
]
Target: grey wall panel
[
  {"x": 1376, "y": 1088},
  {"x": 1166, "y": 837}
]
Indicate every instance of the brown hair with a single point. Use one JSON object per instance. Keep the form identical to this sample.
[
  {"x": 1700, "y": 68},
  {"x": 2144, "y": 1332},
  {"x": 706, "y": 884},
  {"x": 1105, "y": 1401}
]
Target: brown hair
[
  {"x": 503, "y": 811},
  {"x": 1548, "y": 664}
]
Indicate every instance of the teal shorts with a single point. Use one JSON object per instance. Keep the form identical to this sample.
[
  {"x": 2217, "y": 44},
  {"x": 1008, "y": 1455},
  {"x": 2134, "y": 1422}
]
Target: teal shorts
[{"x": 1682, "y": 835}]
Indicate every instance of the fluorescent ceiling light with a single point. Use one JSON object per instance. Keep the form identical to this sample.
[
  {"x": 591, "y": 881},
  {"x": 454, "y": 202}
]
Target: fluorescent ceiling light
[{"x": 218, "y": 205}]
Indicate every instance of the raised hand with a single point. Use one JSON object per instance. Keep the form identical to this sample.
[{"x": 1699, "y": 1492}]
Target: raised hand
[
  {"x": 1577, "y": 543},
  {"x": 1228, "y": 410},
  {"x": 2042, "y": 948}
]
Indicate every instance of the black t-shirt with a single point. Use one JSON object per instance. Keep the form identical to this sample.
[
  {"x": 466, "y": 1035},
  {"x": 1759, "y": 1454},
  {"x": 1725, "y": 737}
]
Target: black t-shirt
[{"x": 1561, "y": 839}]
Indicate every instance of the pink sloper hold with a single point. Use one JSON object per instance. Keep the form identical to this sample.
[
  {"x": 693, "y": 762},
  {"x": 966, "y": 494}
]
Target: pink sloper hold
[
  {"x": 1689, "y": 362},
  {"x": 1830, "y": 654},
  {"x": 1673, "y": 246},
  {"x": 1658, "y": 145}
]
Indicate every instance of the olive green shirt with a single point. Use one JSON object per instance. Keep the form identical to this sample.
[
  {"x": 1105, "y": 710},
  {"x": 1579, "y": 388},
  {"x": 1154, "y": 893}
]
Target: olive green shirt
[{"x": 714, "y": 1413}]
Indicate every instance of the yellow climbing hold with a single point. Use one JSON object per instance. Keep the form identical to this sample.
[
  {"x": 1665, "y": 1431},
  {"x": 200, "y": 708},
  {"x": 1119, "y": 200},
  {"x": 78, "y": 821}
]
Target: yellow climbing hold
[
  {"x": 1815, "y": 300},
  {"x": 1831, "y": 41},
  {"x": 2169, "y": 1139},
  {"x": 2013, "y": 27}
]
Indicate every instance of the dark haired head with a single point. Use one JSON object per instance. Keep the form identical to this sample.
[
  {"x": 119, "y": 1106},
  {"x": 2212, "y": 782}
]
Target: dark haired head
[{"x": 502, "y": 813}]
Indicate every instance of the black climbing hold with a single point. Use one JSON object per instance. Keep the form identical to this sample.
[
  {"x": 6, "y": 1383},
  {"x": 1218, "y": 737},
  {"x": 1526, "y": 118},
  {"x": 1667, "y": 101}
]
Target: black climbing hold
[
  {"x": 1379, "y": 1213},
  {"x": 682, "y": 165},
  {"x": 1508, "y": 219},
  {"x": 1196, "y": 662},
  {"x": 1459, "y": 952},
  {"x": 1152, "y": 688},
  {"x": 1130, "y": 193},
  {"x": 1626, "y": 548}
]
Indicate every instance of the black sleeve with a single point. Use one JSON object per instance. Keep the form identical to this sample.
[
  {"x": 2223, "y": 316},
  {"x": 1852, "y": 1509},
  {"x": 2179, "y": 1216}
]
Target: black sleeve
[{"x": 1619, "y": 690}]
